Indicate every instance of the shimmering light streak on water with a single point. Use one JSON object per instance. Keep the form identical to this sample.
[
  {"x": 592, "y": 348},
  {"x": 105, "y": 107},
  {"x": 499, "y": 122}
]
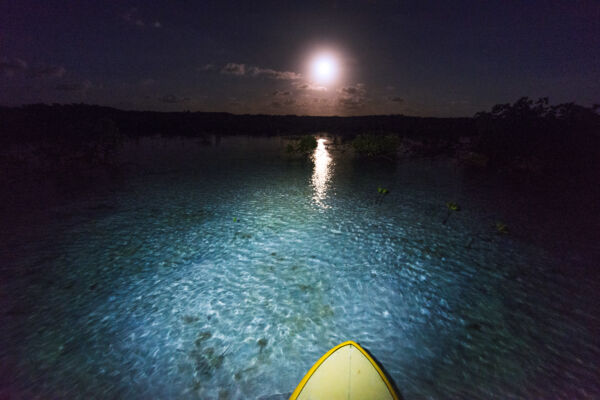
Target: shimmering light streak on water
[
  {"x": 218, "y": 273},
  {"x": 321, "y": 173}
]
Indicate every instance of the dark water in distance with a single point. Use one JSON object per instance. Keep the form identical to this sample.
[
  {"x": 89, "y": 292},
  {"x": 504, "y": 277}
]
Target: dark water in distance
[{"x": 225, "y": 272}]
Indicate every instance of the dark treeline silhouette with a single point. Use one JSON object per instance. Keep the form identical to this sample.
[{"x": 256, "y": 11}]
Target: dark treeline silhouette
[
  {"x": 524, "y": 135},
  {"x": 41, "y": 122},
  {"x": 538, "y": 135}
]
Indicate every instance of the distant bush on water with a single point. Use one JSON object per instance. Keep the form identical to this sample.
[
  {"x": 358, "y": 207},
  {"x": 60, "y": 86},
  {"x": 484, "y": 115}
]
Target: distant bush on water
[
  {"x": 376, "y": 145},
  {"x": 305, "y": 145}
]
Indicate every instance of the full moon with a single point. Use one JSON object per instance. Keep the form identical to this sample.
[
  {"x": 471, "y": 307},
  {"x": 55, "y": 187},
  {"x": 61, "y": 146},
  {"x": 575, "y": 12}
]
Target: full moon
[{"x": 324, "y": 69}]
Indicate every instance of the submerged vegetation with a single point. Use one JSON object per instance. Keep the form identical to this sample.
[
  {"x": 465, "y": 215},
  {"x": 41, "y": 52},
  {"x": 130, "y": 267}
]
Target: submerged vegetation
[
  {"x": 452, "y": 208},
  {"x": 382, "y": 192}
]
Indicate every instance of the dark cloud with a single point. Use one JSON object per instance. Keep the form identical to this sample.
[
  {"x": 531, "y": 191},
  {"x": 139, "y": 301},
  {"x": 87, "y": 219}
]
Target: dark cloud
[
  {"x": 350, "y": 91},
  {"x": 356, "y": 90},
  {"x": 10, "y": 67},
  {"x": 397, "y": 99},
  {"x": 52, "y": 71},
  {"x": 303, "y": 85},
  {"x": 234, "y": 69},
  {"x": 286, "y": 103},
  {"x": 132, "y": 17},
  {"x": 351, "y": 102},
  {"x": 281, "y": 93},
  {"x": 273, "y": 74},
  {"x": 243, "y": 69},
  {"x": 171, "y": 98},
  {"x": 74, "y": 86},
  {"x": 352, "y": 97}
]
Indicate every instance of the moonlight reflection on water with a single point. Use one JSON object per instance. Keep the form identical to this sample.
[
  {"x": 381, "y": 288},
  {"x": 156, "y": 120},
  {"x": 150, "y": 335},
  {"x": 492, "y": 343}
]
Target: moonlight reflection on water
[{"x": 321, "y": 173}]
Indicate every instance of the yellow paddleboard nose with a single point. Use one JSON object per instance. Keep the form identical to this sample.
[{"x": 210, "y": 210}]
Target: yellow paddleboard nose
[{"x": 346, "y": 372}]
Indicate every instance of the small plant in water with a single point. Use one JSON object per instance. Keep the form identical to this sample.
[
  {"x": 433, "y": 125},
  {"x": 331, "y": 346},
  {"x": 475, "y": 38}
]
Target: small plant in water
[
  {"x": 501, "y": 228},
  {"x": 382, "y": 193},
  {"x": 235, "y": 219},
  {"x": 262, "y": 343},
  {"x": 452, "y": 207}
]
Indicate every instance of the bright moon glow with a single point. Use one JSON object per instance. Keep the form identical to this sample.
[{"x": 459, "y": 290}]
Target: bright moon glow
[{"x": 324, "y": 69}]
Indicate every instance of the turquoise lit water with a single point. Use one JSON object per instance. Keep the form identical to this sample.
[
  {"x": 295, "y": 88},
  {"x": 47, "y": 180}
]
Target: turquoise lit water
[{"x": 226, "y": 271}]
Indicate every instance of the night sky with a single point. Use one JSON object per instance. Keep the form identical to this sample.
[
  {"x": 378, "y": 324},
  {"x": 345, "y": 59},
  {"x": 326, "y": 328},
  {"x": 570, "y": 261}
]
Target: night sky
[{"x": 437, "y": 58}]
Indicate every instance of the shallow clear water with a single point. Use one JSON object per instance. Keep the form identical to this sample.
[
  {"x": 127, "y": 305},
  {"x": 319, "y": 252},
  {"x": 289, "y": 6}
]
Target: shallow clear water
[{"x": 227, "y": 271}]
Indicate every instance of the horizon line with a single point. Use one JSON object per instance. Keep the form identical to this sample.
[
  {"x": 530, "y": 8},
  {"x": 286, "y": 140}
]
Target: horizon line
[{"x": 228, "y": 112}]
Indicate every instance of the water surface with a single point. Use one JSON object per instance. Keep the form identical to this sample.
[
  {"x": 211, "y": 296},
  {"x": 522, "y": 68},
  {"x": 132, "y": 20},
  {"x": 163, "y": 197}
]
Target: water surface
[{"x": 226, "y": 271}]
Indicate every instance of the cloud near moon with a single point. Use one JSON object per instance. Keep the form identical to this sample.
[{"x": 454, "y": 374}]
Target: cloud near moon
[{"x": 253, "y": 71}]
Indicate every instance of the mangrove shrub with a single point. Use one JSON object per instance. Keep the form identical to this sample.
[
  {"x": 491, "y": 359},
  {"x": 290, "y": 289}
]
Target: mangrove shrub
[{"x": 376, "y": 145}]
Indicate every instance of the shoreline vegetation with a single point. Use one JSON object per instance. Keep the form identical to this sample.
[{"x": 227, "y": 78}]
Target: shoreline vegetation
[{"x": 527, "y": 137}]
